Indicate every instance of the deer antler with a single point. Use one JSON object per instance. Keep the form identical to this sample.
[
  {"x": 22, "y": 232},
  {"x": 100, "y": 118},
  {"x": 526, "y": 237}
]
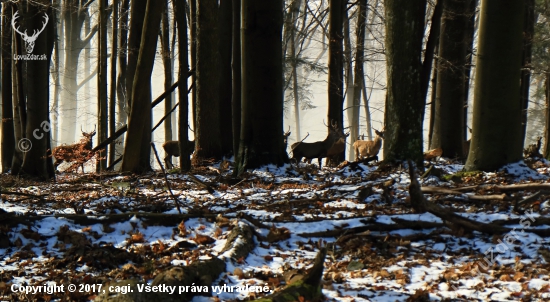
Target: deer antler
[
  {"x": 35, "y": 33},
  {"x": 15, "y": 16}
]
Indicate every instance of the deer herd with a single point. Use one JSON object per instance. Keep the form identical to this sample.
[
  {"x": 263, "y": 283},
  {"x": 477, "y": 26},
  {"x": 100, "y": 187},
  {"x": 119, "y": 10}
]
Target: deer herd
[{"x": 331, "y": 146}]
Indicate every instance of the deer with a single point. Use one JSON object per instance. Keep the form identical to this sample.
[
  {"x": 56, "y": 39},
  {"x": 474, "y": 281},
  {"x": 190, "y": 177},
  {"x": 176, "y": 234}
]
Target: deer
[
  {"x": 171, "y": 148},
  {"x": 364, "y": 149},
  {"x": 319, "y": 149},
  {"x": 285, "y": 139},
  {"x": 338, "y": 147},
  {"x": 80, "y": 152}
]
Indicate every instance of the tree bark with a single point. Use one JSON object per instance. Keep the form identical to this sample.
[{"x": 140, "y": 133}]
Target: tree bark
[
  {"x": 262, "y": 85},
  {"x": 35, "y": 161},
  {"x": 335, "y": 67},
  {"x": 350, "y": 91},
  {"x": 102, "y": 101},
  {"x": 8, "y": 136},
  {"x": 547, "y": 116},
  {"x": 359, "y": 69},
  {"x": 136, "y": 155},
  {"x": 167, "y": 62},
  {"x": 122, "y": 97},
  {"x": 207, "y": 127},
  {"x": 431, "y": 45},
  {"x": 137, "y": 11},
  {"x": 113, "y": 87},
  {"x": 496, "y": 136},
  {"x": 448, "y": 116},
  {"x": 193, "y": 50},
  {"x": 404, "y": 103},
  {"x": 236, "y": 72},
  {"x": 183, "y": 111},
  {"x": 525, "y": 84},
  {"x": 225, "y": 31}
]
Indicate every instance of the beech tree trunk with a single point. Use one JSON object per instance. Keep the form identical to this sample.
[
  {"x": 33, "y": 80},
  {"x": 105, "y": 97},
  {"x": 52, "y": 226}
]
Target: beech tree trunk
[
  {"x": 225, "y": 22},
  {"x": 448, "y": 116},
  {"x": 102, "y": 101},
  {"x": 183, "y": 72},
  {"x": 8, "y": 136},
  {"x": 496, "y": 136},
  {"x": 335, "y": 68},
  {"x": 207, "y": 127},
  {"x": 137, "y": 150},
  {"x": 525, "y": 85},
  {"x": 404, "y": 102},
  {"x": 35, "y": 160},
  {"x": 262, "y": 85},
  {"x": 236, "y": 72}
]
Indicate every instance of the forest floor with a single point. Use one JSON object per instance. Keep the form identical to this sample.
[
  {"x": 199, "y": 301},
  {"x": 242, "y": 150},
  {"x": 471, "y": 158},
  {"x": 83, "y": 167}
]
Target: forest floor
[{"x": 90, "y": 229}]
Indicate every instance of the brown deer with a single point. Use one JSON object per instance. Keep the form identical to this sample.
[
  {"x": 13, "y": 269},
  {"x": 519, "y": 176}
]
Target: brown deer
[
  {"x": 338, "y": 147},
  {"x": 171, "y": 148},
  {"x": 317, "y": 150},
  {"x": 364, "y": 149},
  {"x": 80, "y": 152},
  {"x": 285, "y": 139}
]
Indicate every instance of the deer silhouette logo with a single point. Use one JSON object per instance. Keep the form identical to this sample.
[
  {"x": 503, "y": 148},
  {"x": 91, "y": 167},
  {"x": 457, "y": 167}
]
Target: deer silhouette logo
[{"x": 29, "y": 40}]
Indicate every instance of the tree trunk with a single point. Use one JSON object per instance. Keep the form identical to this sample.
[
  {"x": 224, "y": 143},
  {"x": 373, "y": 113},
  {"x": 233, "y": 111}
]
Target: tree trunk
[
  {"x": 102, "y": 101},
  {"x": 335, "y": 67},
  {"x": 193, "y": 38},
  {"x": 167, "y": 62},
  {"x": 58, "y": 54},
  {"x": 448, "y": 116},
  {"x": 496, "y": 136},
  {"x": 431, "y": 45},
  {"x": 113, "y": 87},
  {"x": 183, "y": 57},
  {"x": 525, "y": 80},
  {"x": 469, "y": 42},
  {"x": 262, "y": 85},
  {"x": 35, "y": 162},
  {"x": 207, "y": 127},
  {"x": 18, "y": 97},
  {"x": 236, "y": 72},
  {"x": 404, "y": 103},
  {"x": 359, "y": 72},
  {"x": 350, "y": 91},
  {"x": 8, "y": 136},
  {"x": 547, "y": 115},
  {"x": 225, "y": 22},
  {"x": 137, "y": 11},
  {"x": 433, "y": 102},
  {"x": 136, "y": 156},
  {"x": 122, "y": 97}
]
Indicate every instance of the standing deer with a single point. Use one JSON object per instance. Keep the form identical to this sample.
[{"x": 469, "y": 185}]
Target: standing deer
[
  {"x": 338, "y": 147},
  {"x": 171, "y": 148},
  {"x": 317, "y": 150},
  {"x": 80, "y": 152},
  {"x": 365, "y": 149}
]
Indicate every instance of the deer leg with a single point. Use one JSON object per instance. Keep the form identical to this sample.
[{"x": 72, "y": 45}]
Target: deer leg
[
  {"x": 168, "y": 162},
  {"x": 320, "y": 159}
]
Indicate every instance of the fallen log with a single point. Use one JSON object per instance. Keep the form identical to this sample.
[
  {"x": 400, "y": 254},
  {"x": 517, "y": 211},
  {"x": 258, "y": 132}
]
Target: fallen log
[{"x": 421, "y": 205}]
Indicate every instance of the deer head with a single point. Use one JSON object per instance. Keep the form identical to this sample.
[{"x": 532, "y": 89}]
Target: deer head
[
  {"x": 88, "y": 137},
  {"x": 29, "y": 40}
]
